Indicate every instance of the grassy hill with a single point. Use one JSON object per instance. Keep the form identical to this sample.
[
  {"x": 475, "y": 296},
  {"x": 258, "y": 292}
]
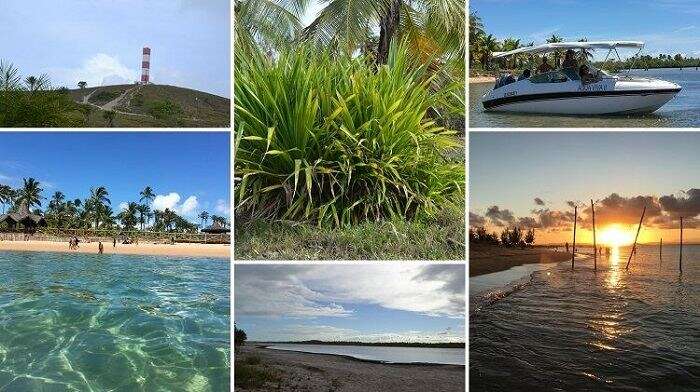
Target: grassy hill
[{"x": 151, "y": 106}]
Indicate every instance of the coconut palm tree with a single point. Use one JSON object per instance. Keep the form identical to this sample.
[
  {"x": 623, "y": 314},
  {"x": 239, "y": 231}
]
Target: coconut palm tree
[
  {"x": 508, "y": 45},
  {"x": 557, "y": 56},
  {"x": 489, "y": 44},
  {"x": 7, "y": 194},
  {"x": 147, "y": 194},
  {"x": 584, "y": 54},
  {"x": 128, "y": 217},
  {"x": 144, "y": 213},
  {"x": 97, "y": 201},
  {"x": 204, "y": 216},
  {"x": 268, "y": 24},
  {"x": 29, "y": 193}
]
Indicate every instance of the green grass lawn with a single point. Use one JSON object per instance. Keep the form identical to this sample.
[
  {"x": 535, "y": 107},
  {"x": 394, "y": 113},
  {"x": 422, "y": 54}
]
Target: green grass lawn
[{"x": 441, "y": 238}]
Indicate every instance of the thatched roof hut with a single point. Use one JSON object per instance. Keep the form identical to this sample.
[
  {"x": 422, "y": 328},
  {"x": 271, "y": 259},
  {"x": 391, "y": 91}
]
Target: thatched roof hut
[
  {"x": 23, "y": 217},
  {"x": 216, "y": 228}
]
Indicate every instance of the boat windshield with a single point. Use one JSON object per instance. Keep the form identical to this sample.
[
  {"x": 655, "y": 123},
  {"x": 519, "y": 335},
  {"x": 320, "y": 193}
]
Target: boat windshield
[{"x": 556, "y": 76}]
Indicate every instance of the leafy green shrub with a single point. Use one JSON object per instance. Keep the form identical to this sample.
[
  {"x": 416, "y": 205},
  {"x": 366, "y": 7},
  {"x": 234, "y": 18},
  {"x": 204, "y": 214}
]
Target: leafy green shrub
[
  {"x": 34, "y": 103},
  {"x": 164, "y": 110},
  {"x": 137, "y": 100},
  {"x": 102, "y": 97},
  {"x": 335, "y": 141}
]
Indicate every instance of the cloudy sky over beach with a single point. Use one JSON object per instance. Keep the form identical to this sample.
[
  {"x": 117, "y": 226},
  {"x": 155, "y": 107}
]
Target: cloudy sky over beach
[
  {"x": 667, "y": 26},
  {"x": 125, "y": 163},
  {"x": 535, "y": 179},
  {"x": 369, "y": 303},
  {"x": 100, "y": 41}
]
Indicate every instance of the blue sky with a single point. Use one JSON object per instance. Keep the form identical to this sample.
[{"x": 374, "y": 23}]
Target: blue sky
[
  {"x": 368, "y": 303},
  {"x": 188, "y": 171},
  {"x": 667, "y": 26},
  {"x": 101, "y": 40},
  {"x": 657, "y": 169}
]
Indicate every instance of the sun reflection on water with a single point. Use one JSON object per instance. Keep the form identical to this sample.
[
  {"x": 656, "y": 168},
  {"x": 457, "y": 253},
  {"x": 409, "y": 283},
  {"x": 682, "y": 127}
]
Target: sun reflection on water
[{"x": 613, "y": 278}]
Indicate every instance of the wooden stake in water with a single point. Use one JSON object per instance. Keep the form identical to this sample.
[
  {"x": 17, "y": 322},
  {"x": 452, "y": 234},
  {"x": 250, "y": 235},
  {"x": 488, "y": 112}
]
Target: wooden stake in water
[
  {"x": 634, "y": 246},
  {"x": 595, "y": 247},
  {"x": 661, "y": 246},
  {"x": 680, "y": 256},
  {"x": 573, "y": 249}
]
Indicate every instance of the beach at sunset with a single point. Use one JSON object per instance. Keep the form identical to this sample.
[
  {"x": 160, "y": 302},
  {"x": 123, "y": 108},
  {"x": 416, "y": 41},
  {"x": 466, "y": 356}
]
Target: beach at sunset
[{"x": 618, "y": 314}]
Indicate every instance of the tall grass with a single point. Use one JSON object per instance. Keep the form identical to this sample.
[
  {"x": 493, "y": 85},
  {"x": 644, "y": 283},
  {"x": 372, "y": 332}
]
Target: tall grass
[{"x": 334, "y": 141}]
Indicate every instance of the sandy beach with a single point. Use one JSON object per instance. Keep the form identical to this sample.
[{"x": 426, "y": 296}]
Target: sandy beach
[
  {"x": 486, "y": 259},
  {"x": 179, "y": 249},
  {"x": 482, "y": 79},
  {"x": 316, "y": 372}
]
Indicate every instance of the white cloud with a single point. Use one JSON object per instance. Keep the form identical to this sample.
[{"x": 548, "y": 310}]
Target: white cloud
[
  {"x": 222, "y": 207},
  {"x": 171, "y": 201},
  {"x": 97, "y": 70},
  {"x": 123, "y": 206},
  {"x": 318, "y": 290}
]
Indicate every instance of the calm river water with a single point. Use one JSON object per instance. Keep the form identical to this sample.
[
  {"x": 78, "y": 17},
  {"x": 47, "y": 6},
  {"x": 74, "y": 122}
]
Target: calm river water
[
  {"x": 681, "y": 111},
  {"x": 78, "y": 322},
  {"x": 613, "y": 329},
  {"x": 451, "y": 356}
]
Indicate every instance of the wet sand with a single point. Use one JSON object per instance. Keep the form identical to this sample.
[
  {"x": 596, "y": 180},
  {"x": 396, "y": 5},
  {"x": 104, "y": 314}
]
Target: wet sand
[
  {"x": 486, "y": 259},
  {"x": 179, "y": 249},
  {"x": 319, "y": 372}
]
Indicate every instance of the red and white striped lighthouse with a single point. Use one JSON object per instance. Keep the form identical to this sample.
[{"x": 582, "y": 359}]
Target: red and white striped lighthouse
[{"x": 146, "y": 66}]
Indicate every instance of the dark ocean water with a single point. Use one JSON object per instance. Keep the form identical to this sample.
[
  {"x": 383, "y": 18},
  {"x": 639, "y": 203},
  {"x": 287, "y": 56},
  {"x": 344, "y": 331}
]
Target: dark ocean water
[{"x": 585, "y": 330}]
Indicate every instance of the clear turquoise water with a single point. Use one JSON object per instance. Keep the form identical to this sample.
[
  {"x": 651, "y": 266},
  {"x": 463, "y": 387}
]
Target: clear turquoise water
[{"x": 74, "y": 322}]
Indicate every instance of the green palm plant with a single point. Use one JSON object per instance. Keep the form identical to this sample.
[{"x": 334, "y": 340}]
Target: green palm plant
[
  {"x": 97, "y": 201},
  {"x": 585, "y": 55},
  {"x": 268, "y": 24},
  {"x": 489, "y": 44},
  {"x": 333, "y": 141},
  {"x": 204, "y": 216},
  {"x": 147, "y": 195},
  {"x": 508, "y": 45},
  {"x": 144, "y": 212},
  {"x": 29, "y": 193},
  {"x": 128, "y": 217},
  {"x": 557, "y": 55},
  {"x": 7, "y": 195}
]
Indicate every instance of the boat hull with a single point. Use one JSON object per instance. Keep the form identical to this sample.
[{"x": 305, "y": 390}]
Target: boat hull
[{"x": 578, "y": 104}]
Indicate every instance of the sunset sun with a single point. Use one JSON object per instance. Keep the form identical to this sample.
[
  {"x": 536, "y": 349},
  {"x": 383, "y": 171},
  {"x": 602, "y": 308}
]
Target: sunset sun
[{"x": 615, "y": 236}]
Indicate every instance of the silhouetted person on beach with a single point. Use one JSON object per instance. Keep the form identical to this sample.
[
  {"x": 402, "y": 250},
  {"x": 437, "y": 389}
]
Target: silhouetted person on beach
[
  {"x": 114, "y": 242},
  {"x": 567, "y": 247},
  {"x": 101, "y": 248}
]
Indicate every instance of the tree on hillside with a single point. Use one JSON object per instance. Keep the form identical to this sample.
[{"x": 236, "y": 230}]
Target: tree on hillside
[
  {"x": 109, "y": 116},
  {"x": 82, "y": 85}
]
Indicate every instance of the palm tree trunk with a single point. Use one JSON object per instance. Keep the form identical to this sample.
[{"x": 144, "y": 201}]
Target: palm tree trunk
[{"x": 387, "y": 29}]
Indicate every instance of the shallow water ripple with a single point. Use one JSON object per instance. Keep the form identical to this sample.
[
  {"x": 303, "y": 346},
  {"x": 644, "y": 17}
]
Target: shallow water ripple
[
  {"x": 586, "y": 330},
  {"x": 111, "y": 322}
]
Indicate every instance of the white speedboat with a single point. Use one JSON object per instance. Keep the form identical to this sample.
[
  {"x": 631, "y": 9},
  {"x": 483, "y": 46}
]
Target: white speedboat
[{"x": 565, "y": 91}]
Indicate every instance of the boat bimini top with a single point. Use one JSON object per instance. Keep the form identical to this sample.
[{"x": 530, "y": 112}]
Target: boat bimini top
[
  {"x": 585, "y": 90},
  {"x": 555, "y": 46}
]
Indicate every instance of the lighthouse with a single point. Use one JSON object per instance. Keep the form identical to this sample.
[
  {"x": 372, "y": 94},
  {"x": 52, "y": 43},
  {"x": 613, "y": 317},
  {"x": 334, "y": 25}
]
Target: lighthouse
[{"x": 146, "y": 66}]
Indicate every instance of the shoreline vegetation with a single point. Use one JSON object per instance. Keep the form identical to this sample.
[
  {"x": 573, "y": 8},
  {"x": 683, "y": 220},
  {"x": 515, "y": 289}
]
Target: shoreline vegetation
[
  {"x": 354, "y": 343},
  {"x": 25, "y": 226},
  {"x": 259, "y": 369},
  {"x": 483, "y": 44},
  {"x": 488, "y": 258}
]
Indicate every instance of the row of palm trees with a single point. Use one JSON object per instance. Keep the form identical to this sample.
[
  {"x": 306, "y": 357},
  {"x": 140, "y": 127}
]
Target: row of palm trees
[
  {"x": 482, "y": 46},
  {"x": 95, "y": 211}
]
